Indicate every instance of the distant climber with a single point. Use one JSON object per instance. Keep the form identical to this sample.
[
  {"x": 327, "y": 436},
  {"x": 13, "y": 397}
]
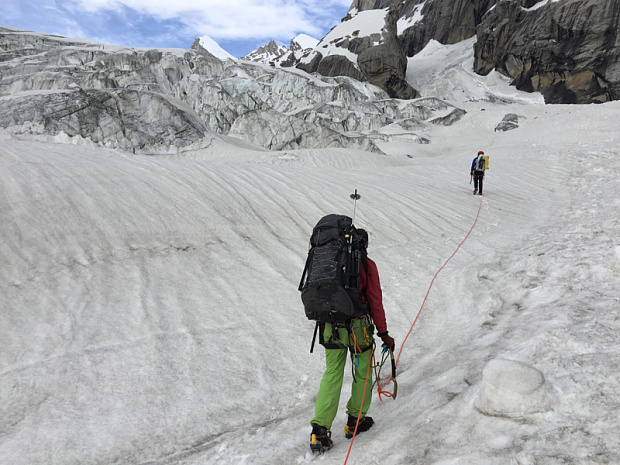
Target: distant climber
[{"x": 478, "y": 165}]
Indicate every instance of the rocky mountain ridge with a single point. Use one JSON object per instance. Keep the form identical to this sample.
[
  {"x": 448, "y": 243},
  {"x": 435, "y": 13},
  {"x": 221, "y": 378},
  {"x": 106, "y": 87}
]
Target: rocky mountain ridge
[
  {"x": 280, "y": 55},
  {"x": 566, "y": 49},
  {"x": 266, "y": 53}
]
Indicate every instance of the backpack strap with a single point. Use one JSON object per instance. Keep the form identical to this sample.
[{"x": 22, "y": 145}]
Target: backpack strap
[
  {"x": 316, "y": 328},
  {"x": 303, "y": 275}
]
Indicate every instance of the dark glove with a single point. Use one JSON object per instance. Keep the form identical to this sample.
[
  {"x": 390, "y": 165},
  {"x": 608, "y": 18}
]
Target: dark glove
[{"x": 387, "y": 340}]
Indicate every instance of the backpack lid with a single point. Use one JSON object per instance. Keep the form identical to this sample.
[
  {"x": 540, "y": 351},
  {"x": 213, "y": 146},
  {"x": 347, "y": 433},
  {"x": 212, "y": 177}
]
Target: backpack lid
[{"x": 329, "y": 228}]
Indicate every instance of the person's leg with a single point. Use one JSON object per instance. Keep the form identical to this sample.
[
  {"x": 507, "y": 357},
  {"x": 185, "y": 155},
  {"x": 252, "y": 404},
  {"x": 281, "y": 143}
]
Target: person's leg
[
  {"x": 360, "y": 387},
  {"x": 480, "y": 183},
  {"x": 326, "y": 406}
]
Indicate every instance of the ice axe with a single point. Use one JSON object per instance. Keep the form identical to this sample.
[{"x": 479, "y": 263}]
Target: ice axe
[{"x": 394, "y": 375}]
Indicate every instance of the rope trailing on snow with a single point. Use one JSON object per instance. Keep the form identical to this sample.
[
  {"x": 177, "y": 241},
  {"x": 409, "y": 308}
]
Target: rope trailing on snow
[
  {"x": 433, "y": 281},
  {"x": 379, "y": 387}
]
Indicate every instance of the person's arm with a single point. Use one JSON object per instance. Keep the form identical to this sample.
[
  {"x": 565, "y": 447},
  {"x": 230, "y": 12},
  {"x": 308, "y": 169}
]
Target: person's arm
[
  {"x": 375, "y": 301},
  {"x": 374, "y": 297}
]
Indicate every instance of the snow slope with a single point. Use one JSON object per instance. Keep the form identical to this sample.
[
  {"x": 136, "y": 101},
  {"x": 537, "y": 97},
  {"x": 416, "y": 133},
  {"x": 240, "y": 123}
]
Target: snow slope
[
  {"x": 361, "y": 24},
  {"x": 149, "y": 311},
  {"x": 305, "y": 41},
  {"x": 446, "y": 72}
]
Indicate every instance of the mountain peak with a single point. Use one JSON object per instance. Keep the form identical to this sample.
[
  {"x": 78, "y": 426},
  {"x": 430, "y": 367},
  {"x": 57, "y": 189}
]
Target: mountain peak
[
  {"x": 213, "y": 48},
  {"x": 281, "y": 55}
]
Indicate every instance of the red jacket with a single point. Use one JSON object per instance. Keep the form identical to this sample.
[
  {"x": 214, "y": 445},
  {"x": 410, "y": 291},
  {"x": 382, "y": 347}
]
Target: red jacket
[{"x": 372, "y": 287}]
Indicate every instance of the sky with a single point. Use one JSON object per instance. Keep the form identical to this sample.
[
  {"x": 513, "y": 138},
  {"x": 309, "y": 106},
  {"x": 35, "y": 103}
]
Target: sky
[
  {"x": 239, "y": 26},
  {"x": 150, "y": 312}
]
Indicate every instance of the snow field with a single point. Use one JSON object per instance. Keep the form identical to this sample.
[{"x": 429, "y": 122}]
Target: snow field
[{"x": 151, "y": 313}]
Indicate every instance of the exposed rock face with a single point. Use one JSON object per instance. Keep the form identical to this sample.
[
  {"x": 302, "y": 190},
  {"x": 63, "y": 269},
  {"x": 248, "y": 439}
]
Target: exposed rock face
[
  {"x": 337, "y": 65},
  {"x": 363, "y": 5},
  {"x": 162, "y": 101},
  {"x": 384, "y": 65},
  {"x": 378, "y": 55},
  {"x": 567, "y": 50},
  {"x": 446, "y": 21}
]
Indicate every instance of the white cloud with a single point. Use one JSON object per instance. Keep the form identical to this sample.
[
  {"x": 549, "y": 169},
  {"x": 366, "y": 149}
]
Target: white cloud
[{"x": 237, "y": 19}]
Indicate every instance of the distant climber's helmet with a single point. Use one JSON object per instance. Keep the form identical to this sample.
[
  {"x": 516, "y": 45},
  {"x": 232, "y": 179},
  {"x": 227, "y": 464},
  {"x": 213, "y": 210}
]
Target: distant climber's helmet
[{"x": 481, "y": 153}]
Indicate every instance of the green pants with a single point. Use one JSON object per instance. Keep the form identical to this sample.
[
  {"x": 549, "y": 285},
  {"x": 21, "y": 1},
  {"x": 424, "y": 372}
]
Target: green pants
[{"x": 327, "y": 400}]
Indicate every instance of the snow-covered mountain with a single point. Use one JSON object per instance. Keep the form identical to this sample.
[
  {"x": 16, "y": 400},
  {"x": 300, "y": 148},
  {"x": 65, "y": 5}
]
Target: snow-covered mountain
[
  {"x": 279, "y": 55},
  {"x": 303, "y": 42},
  {"x": 213, "y": 48},
  {"x": 267, "y": 53},
  {"x": 149, "y": 311},
  {"x": 365, "y": 46}
]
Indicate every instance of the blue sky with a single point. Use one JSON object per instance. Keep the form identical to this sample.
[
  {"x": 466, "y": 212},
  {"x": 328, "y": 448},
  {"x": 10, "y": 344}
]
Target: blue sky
[{"x": 239, "y": 26}]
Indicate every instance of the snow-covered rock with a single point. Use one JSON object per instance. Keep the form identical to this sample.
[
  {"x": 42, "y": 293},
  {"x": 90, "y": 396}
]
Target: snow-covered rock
[
  {"x": 211, "y": 46},
  {"x": 280, "y": 55},
  {"x": 512, "y": 389},
  {"x": 267, "y": 53},
  {"x": 364, "y": 46}
]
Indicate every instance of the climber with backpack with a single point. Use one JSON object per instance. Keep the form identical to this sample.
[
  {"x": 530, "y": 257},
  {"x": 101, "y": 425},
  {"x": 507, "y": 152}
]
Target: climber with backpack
[
  {"x": 478, "y": 165},
  {"x": 341, "y": 291}
]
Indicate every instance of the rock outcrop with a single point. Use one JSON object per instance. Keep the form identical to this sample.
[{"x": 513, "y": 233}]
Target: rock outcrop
[
  {"x": 569, "y": 50},
  {"x": 385, "y": 65},
  {"x": 376, "y": 57},
  {"x": 508, "y": 123},
  {"x": 446, "y": 21}
]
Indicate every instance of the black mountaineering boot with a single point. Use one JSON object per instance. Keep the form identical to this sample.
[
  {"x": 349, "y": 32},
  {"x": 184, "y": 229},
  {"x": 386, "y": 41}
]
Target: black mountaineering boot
[
  {"x": 365, "y": 424},
  {"x": 320, "y": 439}
]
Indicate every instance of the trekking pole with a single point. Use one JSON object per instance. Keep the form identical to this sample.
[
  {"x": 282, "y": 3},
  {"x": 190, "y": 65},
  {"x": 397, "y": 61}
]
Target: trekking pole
[
  {"x": 471, "y": 176},
  {"x": 355, "y": 197}
]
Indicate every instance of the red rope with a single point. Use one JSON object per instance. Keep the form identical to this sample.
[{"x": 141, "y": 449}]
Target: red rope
[
  {"x": 359, "y": 415},
  {"x": 433, "y": 280},
  {"x": 379, "y": 387}
]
